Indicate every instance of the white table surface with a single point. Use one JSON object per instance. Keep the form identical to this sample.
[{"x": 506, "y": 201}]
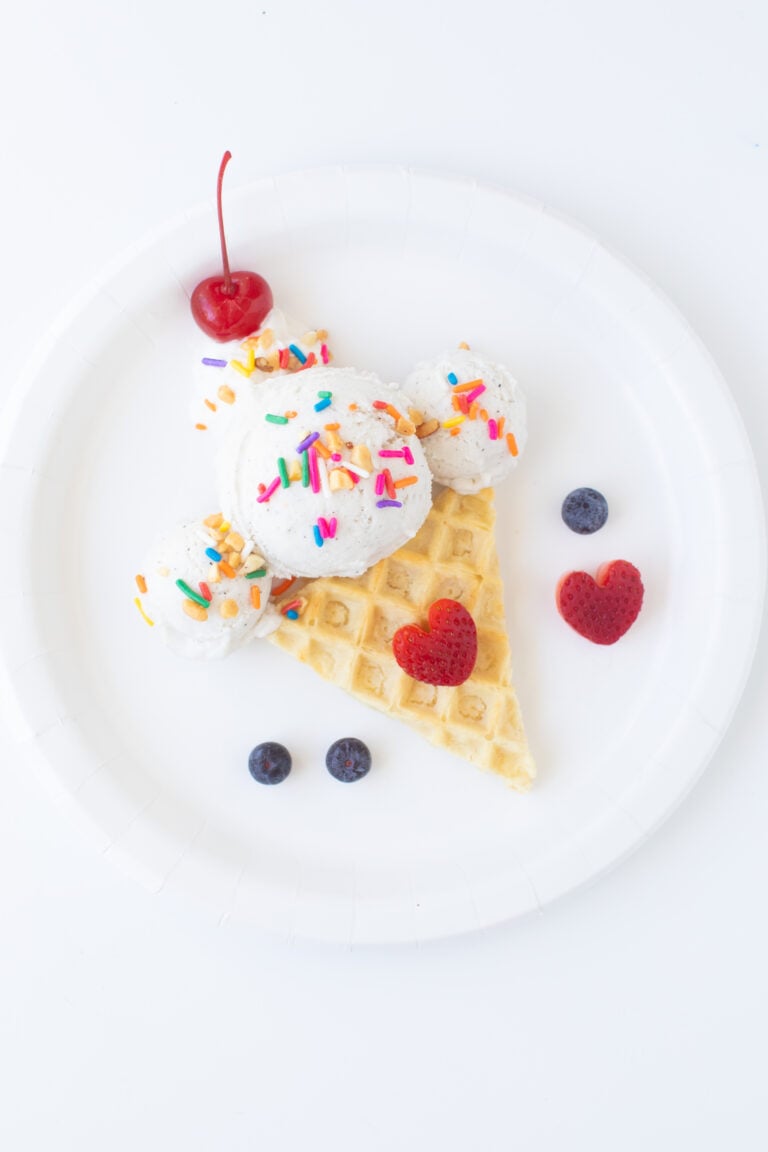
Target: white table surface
[{"x": 630, "y": 1015}]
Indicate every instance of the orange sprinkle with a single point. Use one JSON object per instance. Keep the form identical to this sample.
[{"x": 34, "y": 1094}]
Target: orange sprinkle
[
  {"x": 353, "y": 407},
  {"x": 483, "y": 415},
  {"x": 406, "y": 481},
  {"x": 227, "y": 569},
  {"x": 332, "y": 427},
  {"x": 512, "y": 443},
  {"x": 464, "y": 345},
  {"x": 211, "y": 405},
  {"x": 289, "y": 415},
  {"x": 499, "y": 427},
  {"x": 284, "y": 585},
  {"x": 454, "y": 431},
  {"x": 141, "y": 584},
  {"x": 255, "y": 596},
  {"x": 393, "y": 412},
  {"x": 321, "y": 450},
  {"x": 473, "y": 410},
  {"x": 455, "y": 403},
  {"x": 202, "y": 427},
  {"x": 468, "y": 387}
]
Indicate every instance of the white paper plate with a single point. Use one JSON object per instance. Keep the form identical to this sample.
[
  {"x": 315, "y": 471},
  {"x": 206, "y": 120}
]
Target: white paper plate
[{"x": 100, "y": 454}]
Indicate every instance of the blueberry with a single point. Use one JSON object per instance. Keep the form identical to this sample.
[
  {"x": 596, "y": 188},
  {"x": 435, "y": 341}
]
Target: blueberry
[
  {"x": 348, "y": 760},
  {"x": 269, "y": 763},
  {"x": 585, "y": 510}
]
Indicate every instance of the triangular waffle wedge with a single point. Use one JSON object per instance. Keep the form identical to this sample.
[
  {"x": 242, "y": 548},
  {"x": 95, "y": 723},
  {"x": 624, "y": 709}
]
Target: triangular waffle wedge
[{"x": 345, "y": 634}]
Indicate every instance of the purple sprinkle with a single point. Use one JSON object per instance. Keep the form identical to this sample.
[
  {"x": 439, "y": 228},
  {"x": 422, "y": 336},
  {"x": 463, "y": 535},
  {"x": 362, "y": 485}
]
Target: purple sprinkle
[
  {"x": 305, "y": 444},
  {"x": 408, "y": 455},
  {"x": 388, "y": 504},
  {"x": 213, "y": 363}
]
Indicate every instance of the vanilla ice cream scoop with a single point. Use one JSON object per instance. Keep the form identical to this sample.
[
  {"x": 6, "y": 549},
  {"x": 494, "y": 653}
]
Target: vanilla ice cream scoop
[
  {"x": 203, "y": 607},
  {"x": 224, "y": 373},
  {"x": 474, "y": 418},
  {"x": 324, "y": 469}
]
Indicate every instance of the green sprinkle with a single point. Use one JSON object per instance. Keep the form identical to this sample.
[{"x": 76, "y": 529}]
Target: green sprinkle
[
  {"x": 325, "y": 395},
  {"x": 255, "y": 575},
  {"x": 305, "y": 469},
  {"x": 192, "y": 595},
  {"x": 276, "y": 419},
  {"x": 283, "y": 473}
]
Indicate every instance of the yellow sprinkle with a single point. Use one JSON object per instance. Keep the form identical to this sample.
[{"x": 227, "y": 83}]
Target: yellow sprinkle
[
  {"x": 224, "y": 526},
  {"x": 250, "y": 360},
  {"x": 137, "y": 602},
  {"x": 226, "y": 394},
  {"x": 241, "y": 368},
  {"x": 141, "y": 584},
  {"x": 454, "y": 421}
]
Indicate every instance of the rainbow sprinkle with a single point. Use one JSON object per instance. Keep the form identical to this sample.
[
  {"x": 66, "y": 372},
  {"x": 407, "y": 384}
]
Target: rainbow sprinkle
[
  {"x": 137, "y": 602},
  {"x": 306, "y": 444},
  {"x": 473, "y": 395},
  {"x": 191, "y": 594},
  {"x": 268, "y": 491}
]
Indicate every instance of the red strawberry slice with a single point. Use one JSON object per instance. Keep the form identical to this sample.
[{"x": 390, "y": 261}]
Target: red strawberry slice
[
  {"x": 445, "y": 654},
  {"x": 604, "y": 608}
]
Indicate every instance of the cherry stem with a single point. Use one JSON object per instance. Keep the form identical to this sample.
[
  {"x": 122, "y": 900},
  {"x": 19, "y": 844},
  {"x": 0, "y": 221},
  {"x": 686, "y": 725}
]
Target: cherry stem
[{"x": 228, "y": 291}]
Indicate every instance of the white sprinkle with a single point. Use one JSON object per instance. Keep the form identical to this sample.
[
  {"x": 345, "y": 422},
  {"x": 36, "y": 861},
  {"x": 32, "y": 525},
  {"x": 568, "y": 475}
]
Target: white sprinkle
[{"x": 361, "y": 472}]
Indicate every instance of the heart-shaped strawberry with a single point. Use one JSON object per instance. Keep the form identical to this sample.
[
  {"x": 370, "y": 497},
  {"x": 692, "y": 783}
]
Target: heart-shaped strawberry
[
  {"x": 445, "y": 654},
  {"x": 604, "y": 608}
]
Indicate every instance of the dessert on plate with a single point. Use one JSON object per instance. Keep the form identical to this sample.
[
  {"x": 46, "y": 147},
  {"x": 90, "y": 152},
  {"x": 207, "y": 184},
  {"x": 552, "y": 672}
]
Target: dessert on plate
[{"x": 326, "y": 473}]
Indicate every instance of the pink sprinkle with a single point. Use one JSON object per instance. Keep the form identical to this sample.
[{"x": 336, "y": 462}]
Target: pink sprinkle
[
  {"x": 493, "y": 429},
  {"x": 314, "y": 475},
  {"x": 332, "y": 527},
  {"x": 336, "y": 456},
  {"x": 324, "y": 353},
  {"x": 353, "y": 476},
  {"x": 389, "y": 452},
  {"x": 408, "y": 455},
  {"x": 268, "y": 491},
  {"x": 322, "y": 524},
  {"x": 473, "y": 395},
  {"x": 380, "y": 484}
]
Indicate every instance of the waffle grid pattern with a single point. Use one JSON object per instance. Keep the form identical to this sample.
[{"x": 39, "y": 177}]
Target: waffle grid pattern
[{"x": 345, "y": 635}]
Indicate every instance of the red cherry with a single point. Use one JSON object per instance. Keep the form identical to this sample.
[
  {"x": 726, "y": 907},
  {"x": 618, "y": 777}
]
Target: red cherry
[{"x": 232, "y": 306}]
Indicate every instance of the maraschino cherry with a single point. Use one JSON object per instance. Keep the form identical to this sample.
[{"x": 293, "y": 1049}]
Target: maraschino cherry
[{"x": 232, "y": 306}]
